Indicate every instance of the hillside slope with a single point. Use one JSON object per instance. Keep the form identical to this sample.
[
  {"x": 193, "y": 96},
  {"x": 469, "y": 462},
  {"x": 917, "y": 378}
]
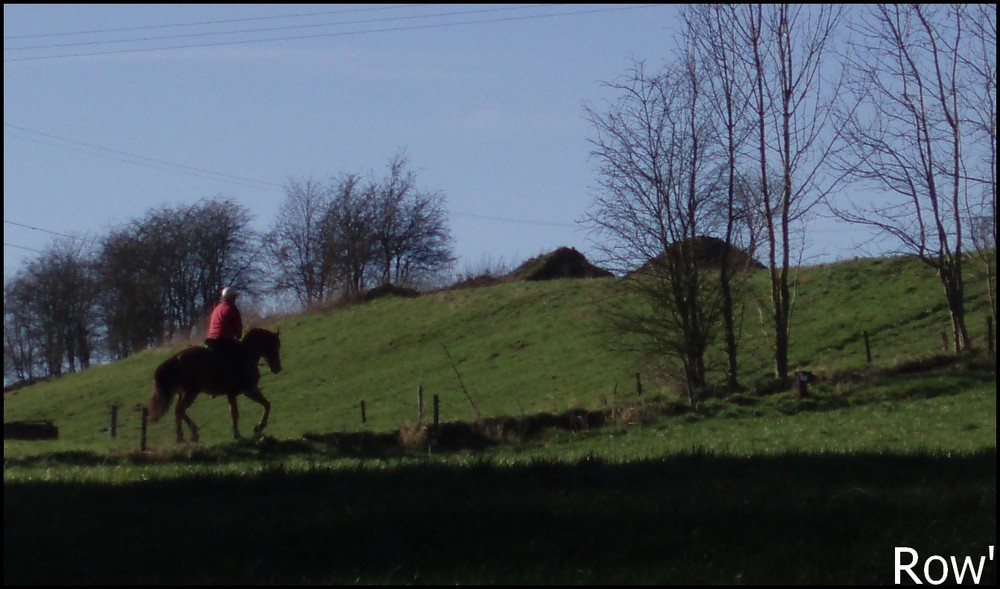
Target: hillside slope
[{"x": 515, "y": 348}]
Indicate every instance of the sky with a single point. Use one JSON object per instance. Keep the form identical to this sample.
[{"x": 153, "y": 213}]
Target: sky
[{"x": 116, "y": 109}]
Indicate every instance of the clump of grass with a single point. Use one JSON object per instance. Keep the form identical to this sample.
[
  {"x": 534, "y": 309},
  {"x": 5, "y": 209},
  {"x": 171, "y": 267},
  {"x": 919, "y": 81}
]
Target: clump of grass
[{"x": 414, "y": 436}]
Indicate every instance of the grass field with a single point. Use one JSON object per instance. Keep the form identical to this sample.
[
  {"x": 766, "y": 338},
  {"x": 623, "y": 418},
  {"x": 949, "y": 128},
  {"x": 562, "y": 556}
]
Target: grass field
[{"x": 548, "y": 467}]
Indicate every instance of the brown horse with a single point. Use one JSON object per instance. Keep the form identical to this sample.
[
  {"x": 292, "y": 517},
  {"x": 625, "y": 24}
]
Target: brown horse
[{"x": 198, "y": 369}]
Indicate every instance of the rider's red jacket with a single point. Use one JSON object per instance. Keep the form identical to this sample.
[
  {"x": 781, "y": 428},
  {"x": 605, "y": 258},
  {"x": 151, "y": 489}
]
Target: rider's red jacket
[{"x": 226, "y": 322}]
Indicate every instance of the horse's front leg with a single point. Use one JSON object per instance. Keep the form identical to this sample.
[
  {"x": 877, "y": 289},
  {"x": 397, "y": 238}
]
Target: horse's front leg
[
  {"x": 234, "y": 412},
  {"x": 257, "y": 396}
]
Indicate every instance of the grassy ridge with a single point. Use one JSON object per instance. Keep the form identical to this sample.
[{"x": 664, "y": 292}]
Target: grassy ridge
[{"x": 520, "y": 348}]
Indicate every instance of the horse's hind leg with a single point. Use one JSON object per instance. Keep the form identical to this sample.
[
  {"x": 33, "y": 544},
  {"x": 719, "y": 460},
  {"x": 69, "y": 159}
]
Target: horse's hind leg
[
  {"x": 257, "y": 396},
  {"x": 180, "y": 415},
  {"x": 234, "y": 412}
]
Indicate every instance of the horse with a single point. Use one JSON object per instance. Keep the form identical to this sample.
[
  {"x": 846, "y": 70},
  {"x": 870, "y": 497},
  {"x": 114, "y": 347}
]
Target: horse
[{"x": 197, "y": 369}]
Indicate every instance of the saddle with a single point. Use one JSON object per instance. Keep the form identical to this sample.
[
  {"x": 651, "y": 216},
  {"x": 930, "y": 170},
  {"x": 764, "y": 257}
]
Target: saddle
[{"x": 232, "y": 358}]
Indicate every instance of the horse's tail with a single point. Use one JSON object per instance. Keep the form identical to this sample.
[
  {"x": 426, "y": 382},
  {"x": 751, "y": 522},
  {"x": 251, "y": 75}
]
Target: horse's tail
[{"x": 164, "y": 385}]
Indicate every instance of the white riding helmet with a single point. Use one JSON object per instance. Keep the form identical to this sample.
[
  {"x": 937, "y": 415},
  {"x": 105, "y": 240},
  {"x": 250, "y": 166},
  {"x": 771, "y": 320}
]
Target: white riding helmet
[{"x": 229, "y": 293}]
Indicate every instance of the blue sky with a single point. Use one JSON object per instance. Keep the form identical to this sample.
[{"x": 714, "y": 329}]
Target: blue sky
[{"x": 150, "y": 105}]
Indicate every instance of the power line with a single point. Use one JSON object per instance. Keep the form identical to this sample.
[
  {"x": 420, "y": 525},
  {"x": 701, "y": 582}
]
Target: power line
[
  {"x": 39, "y": 229},
  {"x": 148, "y": 160},
  {"x": 207, "y": 22},
  {"x": 338, "y": 34},
  {"x": 21, "y": 247},
  {"x": 271, "y": 29},
  {"x": 247, "y": 180}
]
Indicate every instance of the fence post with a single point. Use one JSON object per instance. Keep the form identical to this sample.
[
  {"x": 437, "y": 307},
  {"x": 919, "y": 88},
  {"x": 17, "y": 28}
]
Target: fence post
[
  {"x": 868, "y": 349},
  {"x": 638, "y": 385},
  {"x": 804, "y": 377},
  {"x": 420, "y": 404},
  {"x": 142, "y": 438},
  {"x": 437, "y": 411},
  {"x": 364, "y": 419},
  {"x": 114, "y": 419}
]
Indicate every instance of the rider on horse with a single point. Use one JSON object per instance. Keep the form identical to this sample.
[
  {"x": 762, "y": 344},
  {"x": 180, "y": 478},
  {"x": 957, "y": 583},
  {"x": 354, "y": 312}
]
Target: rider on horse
[{"x": 225, "y": 329}]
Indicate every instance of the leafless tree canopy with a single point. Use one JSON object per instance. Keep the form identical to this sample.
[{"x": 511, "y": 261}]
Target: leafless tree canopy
[
  {"x": 305, "y": 263},
  {"x": 925, "y": 135},
  {"x": 657, "y": 174},
  {"x": 733, "y": 139},
  {"x": 162, "y": 273},
  {"x": 48, "y": 314},
  {"x": 349, "y": 235},
  {"x": 157, "y": 277}
]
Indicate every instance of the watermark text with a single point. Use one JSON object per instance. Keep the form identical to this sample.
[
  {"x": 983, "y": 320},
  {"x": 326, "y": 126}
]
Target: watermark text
[{"x": 936, "y": 569}]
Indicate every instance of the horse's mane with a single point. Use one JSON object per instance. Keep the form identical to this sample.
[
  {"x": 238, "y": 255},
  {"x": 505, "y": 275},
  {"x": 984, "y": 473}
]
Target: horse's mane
[
  {"x": 256, "y": 331},
  {"x": 258, "y": 334}
]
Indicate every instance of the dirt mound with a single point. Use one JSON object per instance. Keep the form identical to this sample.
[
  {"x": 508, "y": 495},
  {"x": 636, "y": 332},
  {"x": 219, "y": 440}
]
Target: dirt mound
[
  {"x": 709, "y": 252},
  {"x": 387, "y": 290},
  {"x": 565, "y": 262},
  {"x": 485, "y": 279}
]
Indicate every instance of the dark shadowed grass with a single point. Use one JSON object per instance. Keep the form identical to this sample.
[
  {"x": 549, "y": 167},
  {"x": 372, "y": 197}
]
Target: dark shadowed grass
[
  {"x": 818, "y": 495},
  {"x": 693, "y": 518}
]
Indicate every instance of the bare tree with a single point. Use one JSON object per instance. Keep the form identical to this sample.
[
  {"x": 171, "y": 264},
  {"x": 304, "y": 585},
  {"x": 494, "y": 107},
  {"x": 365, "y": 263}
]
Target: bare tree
[
  {"x": 162, "y": 273},
  {"x": 131, "y": 293},
  {"x": 197, "y": 250},
  {"x": 297, "y": 241},
  {"x": 22, "y": 338},
  {"x": 424, "y": 242},
  {"x": 784, "y": 49},
  {"x": 710, "y": 30},
  {"x": 924, "y": 134},
  {"x": 53, "y": 306},
  {"x": 980, "y": 66},
  {"x": 655, "y": 183},
  {"x": 349, "y": 233},
  {"x": 411, "y": 231}
]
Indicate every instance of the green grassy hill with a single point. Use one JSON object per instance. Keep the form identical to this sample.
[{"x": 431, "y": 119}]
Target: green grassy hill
[
  {"x": 516, "y": 349},
  {"x": 583, "y": 481}
]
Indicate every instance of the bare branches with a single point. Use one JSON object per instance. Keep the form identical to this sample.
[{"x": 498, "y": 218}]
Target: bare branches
[
  {"x": 925, "y": 137},
  {"x": 351, "y": 235}
]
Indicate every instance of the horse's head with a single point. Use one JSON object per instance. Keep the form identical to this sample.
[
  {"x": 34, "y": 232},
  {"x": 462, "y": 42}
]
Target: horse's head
[{"x": 265, "y": 344}]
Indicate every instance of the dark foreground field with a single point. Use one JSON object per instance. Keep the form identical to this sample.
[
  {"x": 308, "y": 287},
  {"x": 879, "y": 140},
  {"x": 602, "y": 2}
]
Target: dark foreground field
[{"x": 695, "y": 518}]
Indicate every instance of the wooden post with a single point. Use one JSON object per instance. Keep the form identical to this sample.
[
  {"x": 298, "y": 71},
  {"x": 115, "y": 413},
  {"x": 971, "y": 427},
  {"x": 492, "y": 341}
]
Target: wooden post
[
  {"x": 420, "y": 404},
  {"x": 364, "y": 419},
  {"x": 142, "y": 438},
  {"x": 114, "y": 419},
  {"x": 437, "y": 411},
  {"x": 638, "y": 385},
  {"x": 803, "y": 384},
  {"x": 868, "y": 349}
]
